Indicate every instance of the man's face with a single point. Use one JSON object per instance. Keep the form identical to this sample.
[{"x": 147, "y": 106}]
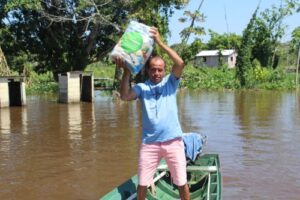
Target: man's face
[{"x": 156, "y": 70}]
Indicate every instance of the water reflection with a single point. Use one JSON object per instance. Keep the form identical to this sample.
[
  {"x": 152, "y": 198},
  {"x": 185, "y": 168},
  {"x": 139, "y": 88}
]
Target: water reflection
[
  {"x": 13, "y": 120},
  {"x": 268, "y": 122},
  {"x": 4, "y": 122},
  {"x": 24, "y": 120},
  {"x": 253, "y": 131},
  {"x": 5, "y": 129},
  {"x": 79, "y": 116},
  {"x": 88, "y": 119},
  {"x": 74, "y": 121}
]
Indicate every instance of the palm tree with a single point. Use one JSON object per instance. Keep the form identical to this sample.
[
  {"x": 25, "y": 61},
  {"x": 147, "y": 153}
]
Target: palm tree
[{"x": 194, "y": 17}]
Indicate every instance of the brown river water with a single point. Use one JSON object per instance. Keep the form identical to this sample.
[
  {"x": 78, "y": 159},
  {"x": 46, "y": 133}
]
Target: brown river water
[{"x": 81, "y": 151}]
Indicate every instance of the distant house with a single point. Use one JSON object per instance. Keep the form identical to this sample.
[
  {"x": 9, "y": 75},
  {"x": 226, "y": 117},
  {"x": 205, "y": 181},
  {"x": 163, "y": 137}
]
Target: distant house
[{"x": 210, "y": 58}]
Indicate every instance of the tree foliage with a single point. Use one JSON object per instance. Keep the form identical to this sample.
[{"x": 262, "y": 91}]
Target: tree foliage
[
  {"x": 269, "y": 29},
  {"x": 193, "y": 17},
  {"x": 185, "y": 50},
  {"x": 223, "y": 41},
  {"x": 244, "y": 53},
  {"x": 65, "y": 35},
  {"x": 261, "y": 39},
  {"x": 190, "y": 50},
  {"x": 295, "y": 42},
  {"x": 293, "y": 4},
  {"x": 192, "y": 29},
  {"x": 262, "y": 45}
]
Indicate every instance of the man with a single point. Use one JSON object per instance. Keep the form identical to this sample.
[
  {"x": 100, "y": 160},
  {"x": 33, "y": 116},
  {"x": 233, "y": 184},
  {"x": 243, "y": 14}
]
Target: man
[{"x": 162, "y": 134}]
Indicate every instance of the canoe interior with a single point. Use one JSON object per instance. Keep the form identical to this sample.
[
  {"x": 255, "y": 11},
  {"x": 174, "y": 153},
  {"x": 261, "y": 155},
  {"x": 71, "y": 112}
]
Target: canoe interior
[{"x": 200, "y": 183}]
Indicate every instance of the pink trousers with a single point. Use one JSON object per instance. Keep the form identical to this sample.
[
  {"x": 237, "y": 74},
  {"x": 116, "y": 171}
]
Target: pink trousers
[{"x": 151, "y": 154}]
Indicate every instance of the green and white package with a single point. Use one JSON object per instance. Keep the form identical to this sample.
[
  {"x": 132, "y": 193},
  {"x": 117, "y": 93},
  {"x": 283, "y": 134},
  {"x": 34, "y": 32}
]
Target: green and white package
[{"x": 134, "y": 47}]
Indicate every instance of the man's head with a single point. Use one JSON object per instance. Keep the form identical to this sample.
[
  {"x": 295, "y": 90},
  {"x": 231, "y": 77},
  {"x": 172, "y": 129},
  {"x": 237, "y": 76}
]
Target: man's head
[{"x": 156, "y": 69}]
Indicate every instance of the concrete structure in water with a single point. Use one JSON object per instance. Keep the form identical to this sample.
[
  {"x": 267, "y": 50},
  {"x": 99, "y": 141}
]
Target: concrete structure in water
[
  {"x": 12, "y": 91},
  {"x": 76, "y": 86}
]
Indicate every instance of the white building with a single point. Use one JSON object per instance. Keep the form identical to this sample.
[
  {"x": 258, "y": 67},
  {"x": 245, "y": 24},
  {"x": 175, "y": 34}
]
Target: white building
[{"x": 210, "y": 58}]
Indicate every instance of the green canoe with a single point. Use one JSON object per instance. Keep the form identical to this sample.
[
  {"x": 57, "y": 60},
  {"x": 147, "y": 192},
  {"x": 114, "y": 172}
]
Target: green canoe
[{"x": 204, "y": 180}]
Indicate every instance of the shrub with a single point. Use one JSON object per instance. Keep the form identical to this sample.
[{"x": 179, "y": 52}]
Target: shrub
[{"x": 41, "y": 83}]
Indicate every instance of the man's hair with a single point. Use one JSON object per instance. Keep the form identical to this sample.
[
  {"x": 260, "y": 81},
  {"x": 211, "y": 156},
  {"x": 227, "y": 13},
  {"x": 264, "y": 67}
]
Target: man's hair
[{"x": 154, "y": 58}]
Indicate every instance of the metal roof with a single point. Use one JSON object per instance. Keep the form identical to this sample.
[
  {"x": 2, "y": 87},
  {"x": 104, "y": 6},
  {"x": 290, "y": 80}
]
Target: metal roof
[{"x": 225, "y": 52}]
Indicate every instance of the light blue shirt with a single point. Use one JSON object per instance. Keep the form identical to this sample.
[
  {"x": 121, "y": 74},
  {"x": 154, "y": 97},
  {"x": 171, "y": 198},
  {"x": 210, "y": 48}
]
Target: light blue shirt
[{"x": 159, "y": 110}]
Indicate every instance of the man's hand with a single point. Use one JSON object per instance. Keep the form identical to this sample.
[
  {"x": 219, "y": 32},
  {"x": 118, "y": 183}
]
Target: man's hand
[
  {"x": 120, "y": 63},
  {"x": 155, "y": 34},
  {"x": 126, "y": 92}
]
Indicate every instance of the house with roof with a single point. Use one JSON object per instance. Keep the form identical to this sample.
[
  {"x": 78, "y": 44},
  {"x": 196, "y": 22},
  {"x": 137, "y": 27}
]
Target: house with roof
[{"x": 211, "y": 58}]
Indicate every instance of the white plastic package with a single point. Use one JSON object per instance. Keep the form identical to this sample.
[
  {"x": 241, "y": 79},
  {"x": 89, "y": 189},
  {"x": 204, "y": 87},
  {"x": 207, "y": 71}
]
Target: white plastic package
[{"x": 134, "y": 47}]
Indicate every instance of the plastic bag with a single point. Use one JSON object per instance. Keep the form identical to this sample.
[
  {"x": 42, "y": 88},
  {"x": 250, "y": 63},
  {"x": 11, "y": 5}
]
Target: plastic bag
[{"x": 134, "y": 47}]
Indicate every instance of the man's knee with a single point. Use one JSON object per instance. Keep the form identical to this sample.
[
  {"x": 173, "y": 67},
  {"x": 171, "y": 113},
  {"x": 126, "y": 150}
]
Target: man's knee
[
  {"x": 142, "y": 187},
  {"x": 183, "y": 187}
]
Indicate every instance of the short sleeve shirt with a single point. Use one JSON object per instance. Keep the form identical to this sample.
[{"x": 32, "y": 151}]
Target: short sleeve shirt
[{"x": 159, "y": 109}]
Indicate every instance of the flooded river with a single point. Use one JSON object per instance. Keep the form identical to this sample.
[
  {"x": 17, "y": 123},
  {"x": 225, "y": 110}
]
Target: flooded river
[{"x": 81, "y": 151}]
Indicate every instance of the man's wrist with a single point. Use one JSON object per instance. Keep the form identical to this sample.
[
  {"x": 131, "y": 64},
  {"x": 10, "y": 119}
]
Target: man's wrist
[
  {"x": 159, "y": 43},
  {"x": 126, "y": 71}
]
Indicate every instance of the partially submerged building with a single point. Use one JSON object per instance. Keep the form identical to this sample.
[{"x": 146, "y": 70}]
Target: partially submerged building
[
  {"x": 12, "y": 91},
  {"x": 76, "y": 86}
]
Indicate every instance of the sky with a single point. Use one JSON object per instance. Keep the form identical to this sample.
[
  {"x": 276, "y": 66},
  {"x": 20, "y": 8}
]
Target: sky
[{"x": 237, "y": 12}]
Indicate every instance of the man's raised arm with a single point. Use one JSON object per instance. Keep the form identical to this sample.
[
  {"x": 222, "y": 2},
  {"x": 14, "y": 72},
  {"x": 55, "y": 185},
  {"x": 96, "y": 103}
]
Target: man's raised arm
[
  {"x": 127, "y": 94},
  {"x": 178, "y": 62}
]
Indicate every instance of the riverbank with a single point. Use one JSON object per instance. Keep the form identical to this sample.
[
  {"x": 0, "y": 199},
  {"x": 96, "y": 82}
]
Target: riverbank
[{"x": 193, "y": 78}]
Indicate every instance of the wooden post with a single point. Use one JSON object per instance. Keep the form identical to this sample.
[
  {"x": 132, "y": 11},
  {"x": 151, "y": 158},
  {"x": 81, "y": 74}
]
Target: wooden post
[{"x": 12, "y": 90}]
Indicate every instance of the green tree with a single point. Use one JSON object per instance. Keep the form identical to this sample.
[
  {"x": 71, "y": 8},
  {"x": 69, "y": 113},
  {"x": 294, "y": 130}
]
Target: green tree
[
  {"x": 243, "y": 62},
  {"x": 183, "y": 48},
  {"x": 224, "y": 41},
  {"x": 269, "y": 29},
  {"x": 194, "y": 17},
  {"x": 293, "y": 4},
  {"x": 295, "y": 42},
  {"x": 190, "y": 51},
  {"x": 262, "y": 48},
  {"x": 65, "y": 35}
]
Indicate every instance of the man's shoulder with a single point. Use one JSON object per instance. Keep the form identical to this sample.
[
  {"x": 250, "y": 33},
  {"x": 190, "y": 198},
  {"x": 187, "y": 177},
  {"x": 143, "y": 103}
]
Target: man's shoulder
[
  {"x": 142, "y": 85},
  {"x": 172, "y": 79}
]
